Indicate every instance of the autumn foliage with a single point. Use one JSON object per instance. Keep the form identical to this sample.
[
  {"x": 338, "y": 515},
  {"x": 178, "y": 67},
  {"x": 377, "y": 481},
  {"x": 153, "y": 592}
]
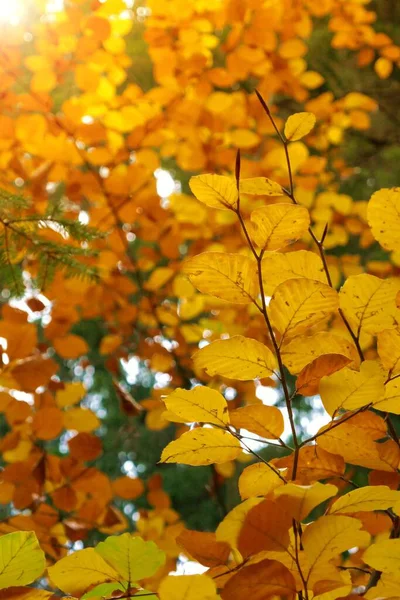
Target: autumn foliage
[{"x": 245, "y": 320}]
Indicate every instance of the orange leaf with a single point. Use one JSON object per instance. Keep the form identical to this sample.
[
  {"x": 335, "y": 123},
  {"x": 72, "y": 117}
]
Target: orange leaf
[
  {"x": 203, "y": 547},
  {"x": 308, "y": 380}
]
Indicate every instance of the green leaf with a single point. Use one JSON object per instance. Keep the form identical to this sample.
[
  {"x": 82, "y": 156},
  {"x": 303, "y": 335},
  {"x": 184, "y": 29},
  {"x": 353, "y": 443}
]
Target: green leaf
[
  {"x": 131, "y": 557},
  {"x": 21, "y": 559},
  {"x": 105, "y": 589}
]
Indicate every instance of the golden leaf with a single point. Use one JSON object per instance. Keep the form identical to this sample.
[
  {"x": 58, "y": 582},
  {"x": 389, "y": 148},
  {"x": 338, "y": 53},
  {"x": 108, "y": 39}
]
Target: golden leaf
[
  {"x": 277, "y": 225},
  {"x": 236, "y": 358},
  {"x": 201, "y": 405},
  {"x": 384, "y": 217},
  {"x": 299, "y": 125},
  {"x": 216, "y": 191},
  {"x": 202, "y": 447},
  {"x": 231, "y": 277},
  {"x": 298, "y": 304}
]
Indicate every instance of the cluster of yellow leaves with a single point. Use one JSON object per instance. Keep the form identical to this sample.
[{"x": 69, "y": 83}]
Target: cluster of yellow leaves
[{"x": 342, "y": 345}]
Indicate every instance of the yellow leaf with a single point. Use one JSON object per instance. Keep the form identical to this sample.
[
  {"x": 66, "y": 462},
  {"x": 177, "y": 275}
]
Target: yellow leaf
[
  {"x": 236, "y": 358},
  {"x": 383, "y": 67},
  {"x": 43, "y": 81},
  {"x": 354, "y": 444},
  {"x": 158, "y": 278},
  {"x": 201, "y": 405},
  {"x": 230, "y": 277},
  {"x": 391, "y": 400},
  {"x": 387, "y": 587},
  {"x": 243, "y": 138},
  {"x": 187, "y": 587},
  {"x": 312, "y": 80},
  {"x": 299, "y": 304},
  {"x": 79, "y": 572},
  {"x": 384, "y": 556},
  {"x": 259, "y": 480},
  {"x": 277, "y": 268},
  {"x": 300, "y": 500},
  {"x": 21, "y": 558},
  {"x": 71, "y": 394},
  {"x": 110, "y": 343},
  {"x": 277, "y": 225},
  {"x": 132, "y": 557},
  {"x": 389, "y": 350},
  {"x": 378, "y": 497},
  {"x": 80, "y": 419},
  {"x": 260, "y": 186},
  {"x": 299, "y": 125},
  {"x": 330, "y": 535},
  {"x": 348, "y": 390},
  {"x": 216, "y": 191},
  {"x": 298, "y": 353},
  {"x": 266, "y": 421},
  {"x": 384, "y": 217},
  {"x": 369, "y": 303},
  {"x": 202, "y": 447},
  {"x": 229, "y": 528}
]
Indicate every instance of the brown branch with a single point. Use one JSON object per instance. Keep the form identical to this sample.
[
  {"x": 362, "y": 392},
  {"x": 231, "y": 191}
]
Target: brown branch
[
  {"x": 319, "y": 243},
  {"x": 264, "y": 312}
]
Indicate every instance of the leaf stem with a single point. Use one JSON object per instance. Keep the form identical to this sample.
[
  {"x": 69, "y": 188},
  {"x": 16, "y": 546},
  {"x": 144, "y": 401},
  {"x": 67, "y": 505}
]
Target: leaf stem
[
  {"x": 319, "y": 243},
  {"x": 264, "y": 312}
]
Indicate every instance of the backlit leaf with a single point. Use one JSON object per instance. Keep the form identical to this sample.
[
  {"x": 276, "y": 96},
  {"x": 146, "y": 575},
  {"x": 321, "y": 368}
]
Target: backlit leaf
[
  {"x": 299, "y": 125},
  {"x": 202, "y": 447},
  {"x": 77, "y": 573},
  {"x": 378, "y": 497},
  {"x": 259, "y": 480},
  {"x": 216, "y": 191},
  {"x": 277, "y": 268},
  {"x": 236, "y": 358},
  {"x": 298, "y": 304},
  {"x": 348, "y": 390},
  {"x": 201, "y": 405},
  {"x": 231, "y": 277},
  {"x": 369, "y": 303},
  {"x": 384, "y": 217},
  {"x": 188, "y": 587},
  {"x": 21, "y": 559},
  {"x": 300, "y": 352},
  {"x": 330, "y": 535},
  {"x": 384, "y": 556},
  {"x": 354, "y": 444},
  {"x": 277, "y": 225},
  {"x": 260, "y": 186},
  {"x": 265, "y": 421},
  {"x": 132, "y": 557},
  {"x": 389, "y": 350},
  {"x": 300, "y": 500}
]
